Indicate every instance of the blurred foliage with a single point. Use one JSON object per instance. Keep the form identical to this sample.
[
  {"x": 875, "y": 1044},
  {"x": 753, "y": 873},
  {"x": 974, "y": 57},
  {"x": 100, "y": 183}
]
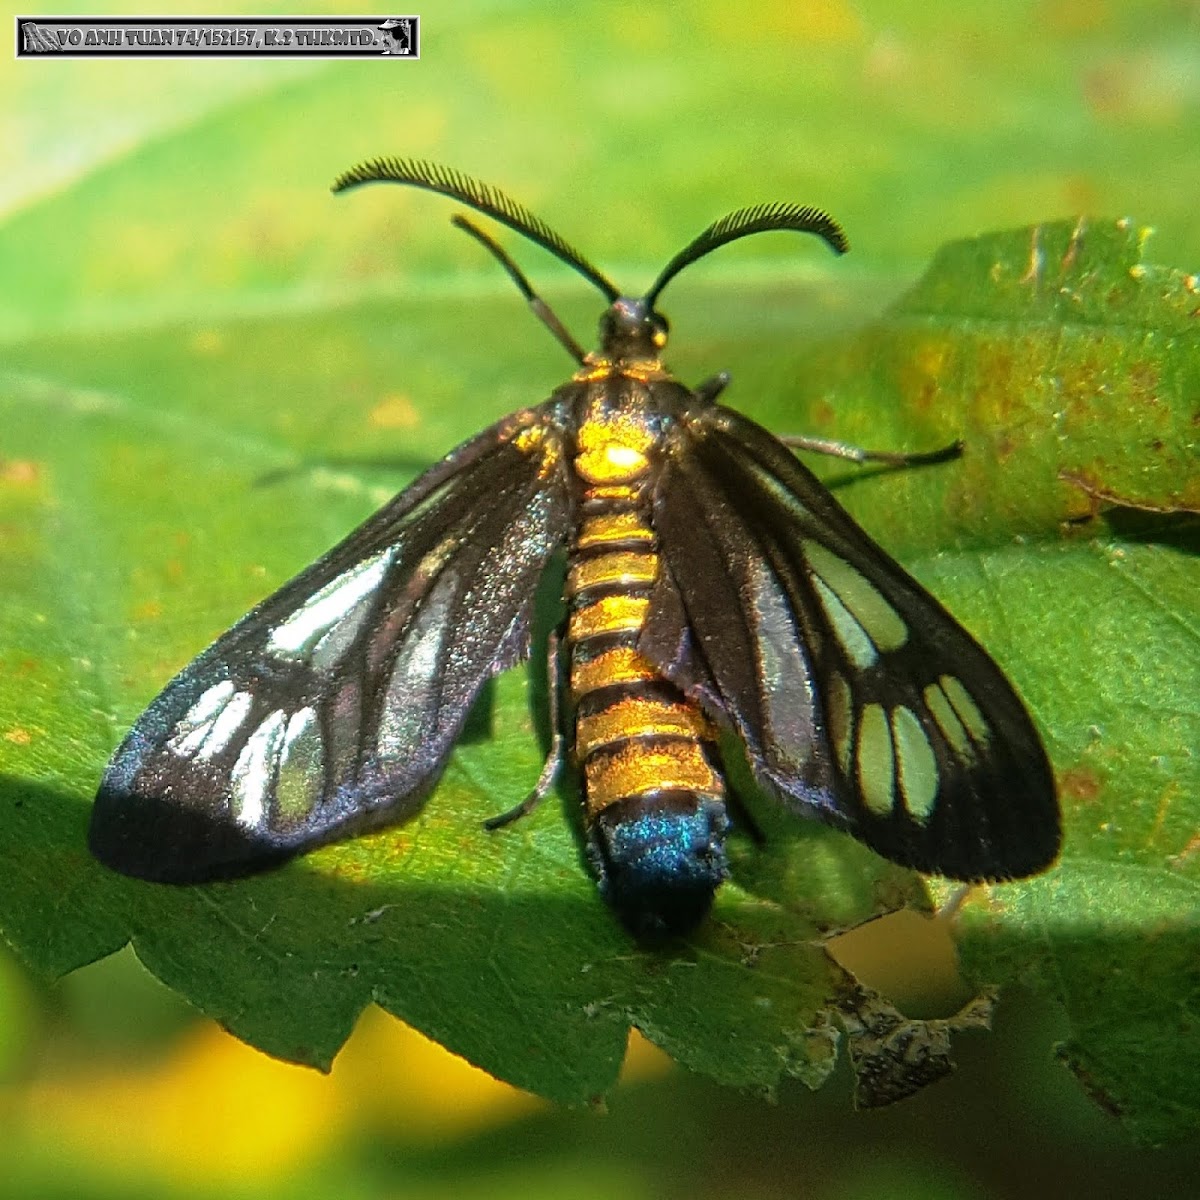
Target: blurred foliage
[
  {"x": 185, "y": 310},
  {"x": 195, "y": 1113}
]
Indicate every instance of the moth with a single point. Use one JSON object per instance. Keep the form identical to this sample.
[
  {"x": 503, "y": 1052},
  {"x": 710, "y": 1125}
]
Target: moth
[{"x": 714, "y": 589}]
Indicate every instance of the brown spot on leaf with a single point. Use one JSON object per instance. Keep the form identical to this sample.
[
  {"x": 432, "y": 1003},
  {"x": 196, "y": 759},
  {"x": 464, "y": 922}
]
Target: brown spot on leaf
[
  {"x": 1100, "y": 495},
  {"x": 921, "y": 373},
  {"x": 823, "y": 413},
  {"x": 18, "y": 737},
  {"x": 1188, "y": 852},
  {"x": 1143, "y": 380},
  {"x": 1080, "y": 784},
  {"x": 1005, "y": 446}
]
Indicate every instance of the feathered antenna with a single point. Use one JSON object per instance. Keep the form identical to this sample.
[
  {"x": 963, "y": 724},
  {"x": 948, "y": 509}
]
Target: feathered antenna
[
  {"x": 762, "y": 218},
  {"x": 480, "y": 196}
]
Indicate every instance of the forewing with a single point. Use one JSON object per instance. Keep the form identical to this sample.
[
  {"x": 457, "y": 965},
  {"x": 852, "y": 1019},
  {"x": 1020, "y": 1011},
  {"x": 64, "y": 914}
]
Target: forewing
[
  {"x": 858, "y": 697},
  {"x": 332, "y": 707}
]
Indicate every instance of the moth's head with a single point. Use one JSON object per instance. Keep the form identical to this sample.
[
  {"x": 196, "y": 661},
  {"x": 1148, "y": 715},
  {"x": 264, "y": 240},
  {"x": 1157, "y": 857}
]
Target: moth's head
[{"x": 632, "y": 332}]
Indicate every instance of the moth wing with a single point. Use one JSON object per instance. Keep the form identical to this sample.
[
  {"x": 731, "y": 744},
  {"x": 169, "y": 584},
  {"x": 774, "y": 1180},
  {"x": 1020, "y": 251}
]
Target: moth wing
[
  {"x": 859, "y": 698},
  {"x": 332, "y": 707}
]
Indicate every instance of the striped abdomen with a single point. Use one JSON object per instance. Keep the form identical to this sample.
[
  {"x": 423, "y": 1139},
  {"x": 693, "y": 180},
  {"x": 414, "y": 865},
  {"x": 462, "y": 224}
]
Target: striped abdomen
[{"x": 653, "y": 794}]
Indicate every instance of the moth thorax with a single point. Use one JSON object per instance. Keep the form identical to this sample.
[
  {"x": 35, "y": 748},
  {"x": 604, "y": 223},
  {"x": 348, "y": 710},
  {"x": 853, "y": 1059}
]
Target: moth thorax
[{"x": 613, "y": 450}]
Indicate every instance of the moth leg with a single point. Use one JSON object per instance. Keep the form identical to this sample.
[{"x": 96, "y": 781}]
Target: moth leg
[
  {"x": 710, "y": 389},
  {"x": 859, "y": 455},
  {"x": 557, "y": 752}
]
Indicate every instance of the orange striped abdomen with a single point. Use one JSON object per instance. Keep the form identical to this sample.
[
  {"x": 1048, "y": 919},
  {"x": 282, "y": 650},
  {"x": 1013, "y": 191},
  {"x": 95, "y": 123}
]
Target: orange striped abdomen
[{"x": 653, "y": 794}]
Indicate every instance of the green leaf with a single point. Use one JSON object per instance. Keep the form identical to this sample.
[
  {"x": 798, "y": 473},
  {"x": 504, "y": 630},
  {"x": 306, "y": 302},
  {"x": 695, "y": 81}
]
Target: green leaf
[
  {"x": 1083, "y": 363},
  {"x": 188, "y": 317},
  {"x": 142, "y": 526}
]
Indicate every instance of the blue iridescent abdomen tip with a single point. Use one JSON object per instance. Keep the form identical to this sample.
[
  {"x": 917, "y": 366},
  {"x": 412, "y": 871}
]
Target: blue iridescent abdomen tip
[{"x": 659, "y": 860}]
